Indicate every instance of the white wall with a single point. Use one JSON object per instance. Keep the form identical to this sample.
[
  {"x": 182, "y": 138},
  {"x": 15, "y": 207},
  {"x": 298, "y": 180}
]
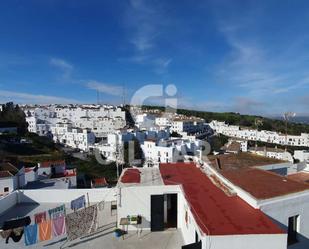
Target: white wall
[
  {"x": 280, "y": 209},
  {"x": 253, "y": 241},
  {"x": 65, "y": 195},
  {"x": 7, "y": 182},
  {"x": 136, "y": 201}
]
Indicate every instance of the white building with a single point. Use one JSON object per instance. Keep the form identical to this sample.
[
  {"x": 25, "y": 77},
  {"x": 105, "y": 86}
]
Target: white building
[
  {"x": 302, "y": 155},
  {"x": 11, "y": 178},
  {"x": 181, "y": 196},
  {"x": 276, "y": 153},
  {"x": 167, "y": 151},
  {"x": 263, "y": 135},
  {"x": 101, "y": 120}
]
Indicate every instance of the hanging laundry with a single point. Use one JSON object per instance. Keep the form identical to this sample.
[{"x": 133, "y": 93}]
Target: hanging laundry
[
  {"x": 78, "y": 203},
  {"x": 16, "y": 223},
  {"x": 5, "y": 233},
  {"x": 45, "y": 229},
  {"x": 101, "y": 214},
  {"x": 101, "y": 205},
  {"x": 39, "y": 217},
  {"x": 55, "y": 212},
  {"x": 16, "y": 234},
  {"x": 31, "y": 234},
  {"x": 58, "y": 225},
  {"x": 82, "y": 222}
]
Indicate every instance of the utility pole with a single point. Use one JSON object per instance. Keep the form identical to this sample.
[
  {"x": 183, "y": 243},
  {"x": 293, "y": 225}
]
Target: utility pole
[
  {"x": 258, "y": 122},
  {"x": 287, "y": 116},
  {"x": 119, "y": 156},
  {"x": 98, "y": 97}
]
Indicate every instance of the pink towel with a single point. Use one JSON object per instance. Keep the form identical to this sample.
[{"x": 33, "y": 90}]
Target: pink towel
[{"x": 59, "y": 226}]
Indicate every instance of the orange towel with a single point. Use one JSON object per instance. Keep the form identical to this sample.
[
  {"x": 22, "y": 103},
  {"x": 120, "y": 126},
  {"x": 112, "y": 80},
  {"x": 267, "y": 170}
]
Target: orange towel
[{"x": 45, "y": 230}]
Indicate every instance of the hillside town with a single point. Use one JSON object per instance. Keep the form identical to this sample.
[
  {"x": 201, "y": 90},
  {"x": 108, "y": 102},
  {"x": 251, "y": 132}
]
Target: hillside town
[
  {"x": 154, "y": 124},
  {"x": 238, "y": 194}
]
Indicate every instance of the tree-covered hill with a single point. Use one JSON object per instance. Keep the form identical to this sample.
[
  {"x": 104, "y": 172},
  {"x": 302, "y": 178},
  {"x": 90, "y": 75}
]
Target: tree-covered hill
[
  {"x": 233, "y": 118},
  {"x": 12, "y": 115}
]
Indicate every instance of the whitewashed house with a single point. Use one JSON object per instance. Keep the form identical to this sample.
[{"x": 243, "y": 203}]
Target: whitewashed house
[
  {"x": 11, "y": 177},
  {"x": 183, "y": 197}
]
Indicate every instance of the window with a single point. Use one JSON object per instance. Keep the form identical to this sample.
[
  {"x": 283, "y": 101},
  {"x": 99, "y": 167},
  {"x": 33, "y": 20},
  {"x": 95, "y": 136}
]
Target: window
[
  {"x": 6, "y": 189},
  {"x": 293, "y": 229}
]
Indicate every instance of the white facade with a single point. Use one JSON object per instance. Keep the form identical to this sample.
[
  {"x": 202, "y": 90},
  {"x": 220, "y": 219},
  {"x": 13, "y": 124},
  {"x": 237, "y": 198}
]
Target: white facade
[
  {"x": 10, "y": 183},
  {"x": 302, "y": 155},
  {"x": 7, "y": 185},
  {"x": 168, "y": 151},
  {"x": 101, "y": 120},
  {"x": 263, "y": 136},
  {"x": 273, "y": 153}
]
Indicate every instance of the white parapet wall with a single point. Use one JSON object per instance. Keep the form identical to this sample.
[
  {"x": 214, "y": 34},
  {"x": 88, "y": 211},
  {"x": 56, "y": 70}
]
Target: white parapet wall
[
  {"x": 66, "y": 195},
  {"x": 252, "y": 241},
  {"x": 55, "y": 196}
]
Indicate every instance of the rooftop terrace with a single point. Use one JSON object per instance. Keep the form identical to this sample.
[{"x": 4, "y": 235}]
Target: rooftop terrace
[
  {"x": 103, "y": 238},
  {"x": 215, "y": 212},
  {"x": 264, "y": 184},
  {"x": 239, "y": 161}
]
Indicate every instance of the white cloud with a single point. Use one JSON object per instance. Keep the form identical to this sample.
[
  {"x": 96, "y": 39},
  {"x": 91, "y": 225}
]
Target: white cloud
[
  {"x": 105, "y": 88},
  {"x": 21, "y": 97},
  {"x": 145, "y": 24},
  {"x": 63, "y": 65}
]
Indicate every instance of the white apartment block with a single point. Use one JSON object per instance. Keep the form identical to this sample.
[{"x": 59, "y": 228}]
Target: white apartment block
[
  {"x": 101, "y": 120},
  {"x": 272, "y": 153},
  {"x": 263, "y": 136},
  {"x": 115, "y": 141},
  {"x": 168, "y": 151},
  {"x": 144, "y": 121},
  {"x": 72, "y": 136}
]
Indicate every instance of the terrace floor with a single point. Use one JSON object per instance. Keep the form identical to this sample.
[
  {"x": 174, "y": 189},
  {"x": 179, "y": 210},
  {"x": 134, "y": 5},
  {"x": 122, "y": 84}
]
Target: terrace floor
[{"x": 103, "y": 238}]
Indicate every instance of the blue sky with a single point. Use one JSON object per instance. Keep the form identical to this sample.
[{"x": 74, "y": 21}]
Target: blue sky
[{"x": 244, "y": 56}]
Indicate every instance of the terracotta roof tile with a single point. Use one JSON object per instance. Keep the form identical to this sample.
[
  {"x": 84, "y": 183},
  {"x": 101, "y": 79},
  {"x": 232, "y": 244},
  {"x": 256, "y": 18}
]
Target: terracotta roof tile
[{"x": 263, "y": 184}]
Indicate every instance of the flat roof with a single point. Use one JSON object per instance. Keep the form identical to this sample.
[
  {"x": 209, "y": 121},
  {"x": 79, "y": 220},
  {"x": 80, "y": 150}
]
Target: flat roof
[
  {"x": 302, "y": 177},
  {"x": 240, "y": 161},
  {"x": 215, "y": 212},
  {"x": 141, "y": 177},
  {"x": 263, "y": 184},
  {"x": 131, "y": 175}
]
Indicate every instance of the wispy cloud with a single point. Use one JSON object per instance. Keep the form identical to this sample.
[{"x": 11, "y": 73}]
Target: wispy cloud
[
  {"x": 145, "y": 25},
  {"x": 255, "y": 68},
  {"x": 22, "y": 97},
  {"x": 105, "y": 88},
  {"x": 63, "y": 65}
]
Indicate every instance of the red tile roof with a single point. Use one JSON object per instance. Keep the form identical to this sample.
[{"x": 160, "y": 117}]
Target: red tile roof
[
  {"x": 5, "y": 173},
  {"x": 131, "y": 176},
  {"x": 98, "y": 182},
  {"x": 263, "y": 184},
  {"x": 300, "y": 177},
  {"x": 214, "y": 211},
  {"x": 48, "y": 164}
]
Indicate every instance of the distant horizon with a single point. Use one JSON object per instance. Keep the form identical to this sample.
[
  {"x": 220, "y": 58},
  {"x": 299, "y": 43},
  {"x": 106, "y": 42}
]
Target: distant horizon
[{"x": 298, "y": 117}]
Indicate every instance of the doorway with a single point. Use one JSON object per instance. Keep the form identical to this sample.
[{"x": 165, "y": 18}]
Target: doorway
[
  {"x": 164, "y": 211},
  {"x": 171, "y": 211}
]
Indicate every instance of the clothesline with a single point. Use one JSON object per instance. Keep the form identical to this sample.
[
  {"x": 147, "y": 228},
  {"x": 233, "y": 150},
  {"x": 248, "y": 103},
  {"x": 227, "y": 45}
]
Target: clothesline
[{"x": 77, "y": 224}]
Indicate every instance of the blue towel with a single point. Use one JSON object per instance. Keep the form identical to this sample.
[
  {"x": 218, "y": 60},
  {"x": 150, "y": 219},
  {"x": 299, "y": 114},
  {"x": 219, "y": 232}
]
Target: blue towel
[
  {"x": 31, "y": 234},
  {"x": 78, "y": 203}
]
